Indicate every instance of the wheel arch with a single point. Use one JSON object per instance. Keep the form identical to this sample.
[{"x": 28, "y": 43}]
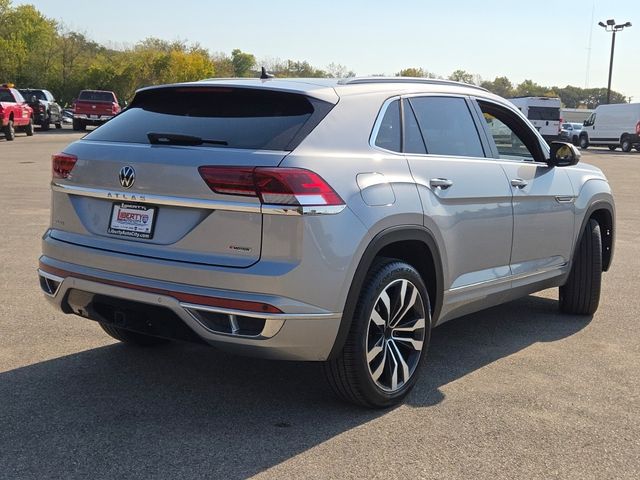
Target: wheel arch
[
  {"x": 405, "y": 243},
  {"x": 603, "y": 213}
]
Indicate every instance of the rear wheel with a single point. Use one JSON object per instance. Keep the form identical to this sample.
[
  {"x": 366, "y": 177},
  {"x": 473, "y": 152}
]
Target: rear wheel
[
  {"x": 584, "y": 142},
  {"x": 29, "y": 128},
  {"x": 581, "y": 294},
  {"x": 9, "y": 131},
  {"x": 388, "y": 339},
  {"x": 612, "y": 147},
  {"x": 78, "y": 125},
  {"x": 132, "y": 338},
  {"x": 637, "y": 148},
  {"x": 626, "y": 145}
]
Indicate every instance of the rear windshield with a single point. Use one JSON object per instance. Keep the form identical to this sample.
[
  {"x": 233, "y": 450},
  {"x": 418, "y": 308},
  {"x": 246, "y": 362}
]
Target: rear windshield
[
  {"x": 39, "y": 94},
  {"x": 544, "y": 113},
  {"x": 227, "y": 117},
  {"x": 90, "y": 96}
]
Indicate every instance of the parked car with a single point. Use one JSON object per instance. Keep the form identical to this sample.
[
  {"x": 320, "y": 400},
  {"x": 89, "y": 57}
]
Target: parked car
[
  {"x": 15, "y": 113},
  {"x": 45, "y": 109},
  {"x": 613, "y": 126},
  {"x": 94, "y": 107},
  {"x": 570, "y": 132},
  {"x": 321, "y": 220}
]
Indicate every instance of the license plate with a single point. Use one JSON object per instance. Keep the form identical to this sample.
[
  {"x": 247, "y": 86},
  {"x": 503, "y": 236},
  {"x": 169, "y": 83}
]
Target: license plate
[
  {"x": 94, "y": 116},
  {"x": 132, "y": 220}
]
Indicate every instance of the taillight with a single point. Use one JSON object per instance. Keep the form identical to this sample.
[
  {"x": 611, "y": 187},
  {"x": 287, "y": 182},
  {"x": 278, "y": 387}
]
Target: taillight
[
  {"x": 62, "y": 164},
  {"x": 115, "y": 108},
  {"x": 273, "y": 186},
  {"x": 638, "y": 128}
]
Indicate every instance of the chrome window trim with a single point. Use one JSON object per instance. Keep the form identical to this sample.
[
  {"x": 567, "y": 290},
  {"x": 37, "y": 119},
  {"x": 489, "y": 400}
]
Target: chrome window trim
[{"x": 229, "y": 206}]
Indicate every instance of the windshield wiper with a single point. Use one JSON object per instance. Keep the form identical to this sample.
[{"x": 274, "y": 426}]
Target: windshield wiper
[{"x": 175, "y": 139}]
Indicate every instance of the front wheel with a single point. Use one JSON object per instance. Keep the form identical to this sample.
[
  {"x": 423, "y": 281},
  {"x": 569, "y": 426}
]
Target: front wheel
[
  {"x": 626, "y": 145},
  {"x": 581, "y": 294},
  {"x": 130, "y": 337},
  {"x": 584, "y": 142},
  {"x": 388, "y": 339}
]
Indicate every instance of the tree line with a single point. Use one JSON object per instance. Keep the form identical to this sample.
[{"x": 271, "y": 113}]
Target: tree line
[{"x": 39, "y": 52}]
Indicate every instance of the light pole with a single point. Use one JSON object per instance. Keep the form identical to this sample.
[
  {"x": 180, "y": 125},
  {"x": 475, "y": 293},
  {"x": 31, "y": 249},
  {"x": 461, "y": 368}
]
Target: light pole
[{"x": 611, "y": 26}]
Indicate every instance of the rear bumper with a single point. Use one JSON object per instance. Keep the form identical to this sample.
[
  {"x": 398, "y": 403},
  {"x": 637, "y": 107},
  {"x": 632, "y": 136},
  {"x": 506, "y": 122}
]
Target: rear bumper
[
  {"x": 91, "y": 121},
  {"x": 190, "y": 312}
]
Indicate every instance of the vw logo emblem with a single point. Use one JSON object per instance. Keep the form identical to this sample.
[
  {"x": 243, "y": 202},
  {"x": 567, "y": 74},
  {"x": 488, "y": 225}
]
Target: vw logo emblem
[{"x": 127, "y": 176}]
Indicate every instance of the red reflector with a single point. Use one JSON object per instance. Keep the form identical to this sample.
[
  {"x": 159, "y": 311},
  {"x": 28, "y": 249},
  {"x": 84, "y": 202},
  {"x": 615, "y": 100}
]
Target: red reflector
[
  {"x": 274, "y": 186},
  {"x": 228, "y": 303},
  {"x": 62, "y": 164}
]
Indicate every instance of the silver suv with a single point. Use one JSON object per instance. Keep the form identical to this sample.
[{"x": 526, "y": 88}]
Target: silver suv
[{"x": 323, "y": 220}]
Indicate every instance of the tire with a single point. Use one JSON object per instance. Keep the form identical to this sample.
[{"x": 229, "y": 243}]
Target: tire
[
  {"x": 132, "y": 338},
  {"x": 78, "y": 125},
  {"x": 613, "y": 147},
  {"x": 626, "y": 145},
  {"x": 584, "y": 142},
  {"x": 637, "y": 148},
  {"x": 574, "y": 140},
  {"x": 581, "y": 294},
  {"x": 58, "y": 126},
  {"x": 371, "y": 382},
  {"x": 29, "y": 128},
  {"x": 46, "y": 124},
  {"x": 9, "y": 131}
]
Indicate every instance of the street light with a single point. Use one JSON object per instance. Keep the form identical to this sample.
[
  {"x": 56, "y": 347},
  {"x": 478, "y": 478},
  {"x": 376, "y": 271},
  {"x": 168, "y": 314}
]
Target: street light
[{"x": 611, "y": 26}]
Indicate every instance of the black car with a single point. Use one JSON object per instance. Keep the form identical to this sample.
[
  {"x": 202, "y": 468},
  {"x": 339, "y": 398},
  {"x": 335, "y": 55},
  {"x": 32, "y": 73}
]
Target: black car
[{"x": 45, "y": 109}]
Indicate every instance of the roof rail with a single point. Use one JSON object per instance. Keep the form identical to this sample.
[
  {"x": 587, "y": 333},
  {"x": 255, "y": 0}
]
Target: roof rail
[{"x": 428, "y": 81}]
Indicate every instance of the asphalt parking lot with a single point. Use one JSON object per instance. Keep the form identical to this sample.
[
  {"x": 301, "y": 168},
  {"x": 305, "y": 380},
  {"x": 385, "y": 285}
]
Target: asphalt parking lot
[{"x": 517, "y": 391}]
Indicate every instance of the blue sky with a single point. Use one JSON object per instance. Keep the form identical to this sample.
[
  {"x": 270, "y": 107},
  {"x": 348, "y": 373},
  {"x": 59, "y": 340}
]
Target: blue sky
[{"x": 546, "y": 41}]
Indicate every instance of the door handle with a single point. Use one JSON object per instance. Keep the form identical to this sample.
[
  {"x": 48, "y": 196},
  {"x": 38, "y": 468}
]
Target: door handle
[
  {"x": 441, "y": 183},
  {"x": 519, "y": 183}
]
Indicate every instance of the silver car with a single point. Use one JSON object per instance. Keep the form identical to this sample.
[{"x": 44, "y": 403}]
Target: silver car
[{"x": 320, "y": 220}]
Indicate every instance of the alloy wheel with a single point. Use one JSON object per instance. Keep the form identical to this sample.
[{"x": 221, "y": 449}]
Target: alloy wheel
[{"x": 395, "y": 335}]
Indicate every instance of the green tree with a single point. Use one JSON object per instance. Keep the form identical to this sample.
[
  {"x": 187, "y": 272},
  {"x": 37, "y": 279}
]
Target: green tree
[
  {"x": 242, "y": 63},
  {"x": 415, "y": 72},
  {"x": 500, "y": 86},
  {"x": 462, "y": 76}
]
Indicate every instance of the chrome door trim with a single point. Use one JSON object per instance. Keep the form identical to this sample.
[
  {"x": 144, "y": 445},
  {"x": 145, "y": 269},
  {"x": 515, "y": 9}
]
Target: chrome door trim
[{"x": 510, "y": 278}]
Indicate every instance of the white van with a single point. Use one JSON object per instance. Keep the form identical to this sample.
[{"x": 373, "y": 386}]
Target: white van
[
  {"x": 542, "y": 112},
  {"x": 613, "y": 126}
]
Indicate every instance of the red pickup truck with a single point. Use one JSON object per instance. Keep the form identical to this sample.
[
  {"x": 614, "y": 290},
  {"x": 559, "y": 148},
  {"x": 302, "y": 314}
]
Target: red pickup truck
[
  {"x": 94, "y": 107},
  {"x": 14, "y": 112}
]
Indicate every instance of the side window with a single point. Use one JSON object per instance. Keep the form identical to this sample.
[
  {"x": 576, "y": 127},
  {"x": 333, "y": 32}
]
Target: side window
[
  {"x": 389, "y": 132},
  {"x": 447, "y": 126},
  {"x": 5, "y": 96},
  {"x": 591, "y": 120},
  {"x": 513, "y": 138},
  {"x": 413, "y": 141}
]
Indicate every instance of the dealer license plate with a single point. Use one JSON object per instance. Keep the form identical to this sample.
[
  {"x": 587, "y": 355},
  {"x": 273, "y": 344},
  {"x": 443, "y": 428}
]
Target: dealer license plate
[{"x": 132, "y": 220}]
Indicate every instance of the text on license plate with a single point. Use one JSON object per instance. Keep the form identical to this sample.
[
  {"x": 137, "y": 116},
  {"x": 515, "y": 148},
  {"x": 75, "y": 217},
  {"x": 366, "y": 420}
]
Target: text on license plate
[{"x": 132, "y": 220}]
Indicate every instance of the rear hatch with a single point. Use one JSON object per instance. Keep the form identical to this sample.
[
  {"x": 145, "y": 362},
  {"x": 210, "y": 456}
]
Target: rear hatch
[{"x": 133, "y": 185}]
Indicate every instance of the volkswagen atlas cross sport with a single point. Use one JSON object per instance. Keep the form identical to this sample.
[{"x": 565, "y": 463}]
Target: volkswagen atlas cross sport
[{"x": 320, "y": 220}]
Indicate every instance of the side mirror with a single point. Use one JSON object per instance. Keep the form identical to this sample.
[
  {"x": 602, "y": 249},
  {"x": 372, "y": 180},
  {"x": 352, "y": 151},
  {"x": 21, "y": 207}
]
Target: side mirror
[{"x": 563, "y": 155}]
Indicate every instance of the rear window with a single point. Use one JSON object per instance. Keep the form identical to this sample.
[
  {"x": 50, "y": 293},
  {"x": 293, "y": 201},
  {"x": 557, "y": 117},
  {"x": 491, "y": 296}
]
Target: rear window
[
  {"x": 544, "y": 113},
  {"x": 91, "y": 96},
  {"x": 39, "y": 94},
  {"x": 229, "y": 117}
]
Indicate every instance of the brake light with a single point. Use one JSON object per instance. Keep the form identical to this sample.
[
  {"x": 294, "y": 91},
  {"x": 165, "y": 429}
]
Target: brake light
[
  {"x": 115, "y": 108},
  {"x": 273, "y": 186},
  {"x": 62, "y": 164},
  {"x": 638, "y": 128}
]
